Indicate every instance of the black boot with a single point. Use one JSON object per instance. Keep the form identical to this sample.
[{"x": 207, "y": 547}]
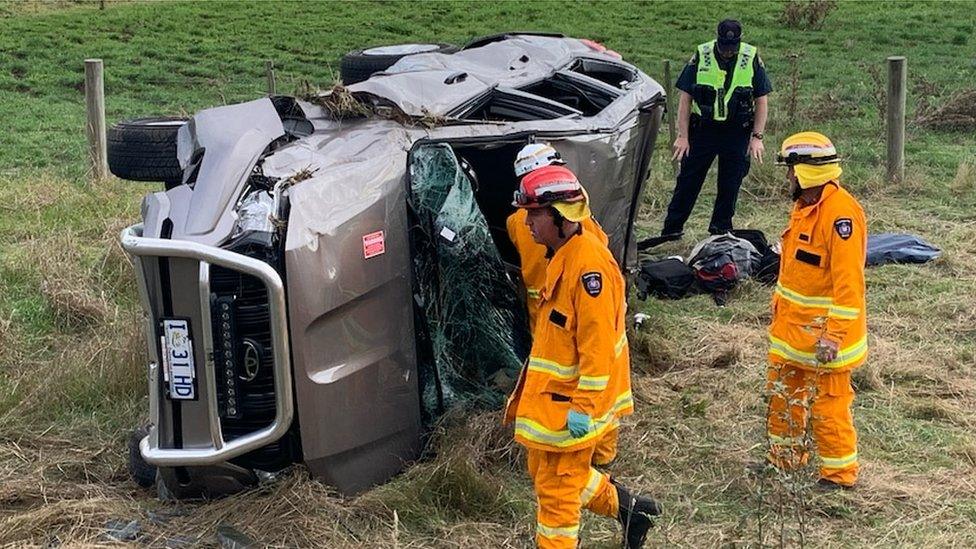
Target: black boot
[
  {"x": 635, "y": 515},
  {"x": 825, "y": 485}
]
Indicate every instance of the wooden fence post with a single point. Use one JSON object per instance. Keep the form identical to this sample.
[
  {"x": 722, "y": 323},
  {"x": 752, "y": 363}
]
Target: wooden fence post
[
  {"x": 671, "y": 106},
  {"x": 95, "y": 108},
  {"x": 895, "y": 118},
  {"x": 269, "y": 67}
]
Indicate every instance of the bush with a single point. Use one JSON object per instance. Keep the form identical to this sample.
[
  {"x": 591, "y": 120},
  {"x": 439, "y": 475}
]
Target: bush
[{"x": 809, "y": 14}]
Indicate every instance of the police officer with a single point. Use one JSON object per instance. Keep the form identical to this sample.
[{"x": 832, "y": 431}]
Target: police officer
[{"x": 722, "y": 111}]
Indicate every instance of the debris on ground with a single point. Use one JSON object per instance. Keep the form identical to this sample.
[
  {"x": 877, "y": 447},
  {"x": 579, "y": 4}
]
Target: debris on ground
[
  {"x": 639, "y": 319},
  {"x": 121, "y": 530},
  {"x": 231, "y": 538},
  {"x": 179, "y": 542}
]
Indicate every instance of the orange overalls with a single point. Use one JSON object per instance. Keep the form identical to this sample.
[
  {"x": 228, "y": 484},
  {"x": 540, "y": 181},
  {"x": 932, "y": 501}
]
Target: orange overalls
[
  {"x": 533, "y": 259},
  {"x": 579, "y": 360},
  {"x": 820, "y": 293}
]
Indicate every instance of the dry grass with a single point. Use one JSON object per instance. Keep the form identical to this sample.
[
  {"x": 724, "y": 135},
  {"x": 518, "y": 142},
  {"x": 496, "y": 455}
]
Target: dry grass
[
  {"x": 699, "y": 372},
  {"x": 71, "y": 293},
  {"x": 339, "y": 102},
  {"x": 342, "y": 104},
  {"x": 699, "y": 423},
  {"x": 71, "y": 364},
  {"x": 964, "y": 182},
  {"x": 956, "y": 113},
  {"x": 806, "y": 14},
  {"x": 830, "y": 105},
  {"x": 7, "y": 338}
]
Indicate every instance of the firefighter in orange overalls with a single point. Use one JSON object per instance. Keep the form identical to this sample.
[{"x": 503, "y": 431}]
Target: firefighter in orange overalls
[
  {"x": 532, "y": 257},
  {"x": 819, "y": 328},
  {"x": 576, "y": 382}
]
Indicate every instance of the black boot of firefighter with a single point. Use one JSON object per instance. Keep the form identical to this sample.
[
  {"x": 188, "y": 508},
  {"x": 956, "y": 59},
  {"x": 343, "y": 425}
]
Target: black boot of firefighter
[{"x": 635, "y": 515}]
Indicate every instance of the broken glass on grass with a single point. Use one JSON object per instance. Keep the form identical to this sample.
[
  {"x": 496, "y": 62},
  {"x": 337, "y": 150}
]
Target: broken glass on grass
[{"x": 476, "y": 327}]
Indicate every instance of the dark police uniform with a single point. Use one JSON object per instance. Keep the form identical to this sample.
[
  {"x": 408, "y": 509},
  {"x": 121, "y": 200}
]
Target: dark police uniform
[{"x": 707, "y": 138}]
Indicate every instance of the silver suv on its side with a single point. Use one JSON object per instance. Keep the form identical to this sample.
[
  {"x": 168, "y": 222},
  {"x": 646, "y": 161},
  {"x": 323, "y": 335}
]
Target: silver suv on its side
[{"x": 277, "y": 268}]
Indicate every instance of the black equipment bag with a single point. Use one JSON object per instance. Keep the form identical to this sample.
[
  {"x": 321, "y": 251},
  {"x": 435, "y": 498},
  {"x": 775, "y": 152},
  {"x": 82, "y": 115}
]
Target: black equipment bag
[{"x": 665, "y": 279}]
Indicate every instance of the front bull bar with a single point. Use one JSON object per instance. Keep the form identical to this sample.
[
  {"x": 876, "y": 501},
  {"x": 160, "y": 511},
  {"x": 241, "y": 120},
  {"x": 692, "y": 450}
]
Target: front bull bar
[{"x": 220, "y": 450}]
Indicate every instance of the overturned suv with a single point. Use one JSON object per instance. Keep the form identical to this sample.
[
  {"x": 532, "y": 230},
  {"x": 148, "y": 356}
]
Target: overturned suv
[{"x": 277, "y": 269}]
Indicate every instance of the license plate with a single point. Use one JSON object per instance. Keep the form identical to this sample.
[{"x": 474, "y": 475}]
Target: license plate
[{"x": 179, "y": 371}]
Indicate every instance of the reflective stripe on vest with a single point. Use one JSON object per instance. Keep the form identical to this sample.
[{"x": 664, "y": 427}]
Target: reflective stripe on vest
[
  {"x": 553, "y": 368},
  {"x": 621, "y": 343},
  {"x": 822, "y": 302},
  {"x": 845, "y": 357},
  {"x": 710, "y": 75},
  {"x": 817, "y": 302},
  {"x": 532, "y": 430},
  {"x": 593, "y": 383},
  {"x": 564, "y": 372}
]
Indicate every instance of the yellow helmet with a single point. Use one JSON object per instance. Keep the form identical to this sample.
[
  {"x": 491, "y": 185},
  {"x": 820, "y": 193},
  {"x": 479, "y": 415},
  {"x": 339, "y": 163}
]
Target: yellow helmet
[{"x": 813, "y": 158}]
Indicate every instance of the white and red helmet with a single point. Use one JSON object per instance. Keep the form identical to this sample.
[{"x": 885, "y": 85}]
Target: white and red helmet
[
  {"x": 534, "y": 156},
  {"x": 555, "y": 186}
]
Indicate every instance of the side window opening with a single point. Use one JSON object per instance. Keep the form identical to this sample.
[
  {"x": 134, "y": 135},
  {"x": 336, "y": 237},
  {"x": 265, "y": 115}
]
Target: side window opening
[
  {"x": 509, "y": 105},
  {"x": 613, "y": 74},
  {"x": 587, "y": 97},
  {"x": 584, "y": 88}
]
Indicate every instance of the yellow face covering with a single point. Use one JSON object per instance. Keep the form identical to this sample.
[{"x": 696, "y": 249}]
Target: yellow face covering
[
  {"x": 573, "y": 211},
  {"x": 815, "y": 176}
]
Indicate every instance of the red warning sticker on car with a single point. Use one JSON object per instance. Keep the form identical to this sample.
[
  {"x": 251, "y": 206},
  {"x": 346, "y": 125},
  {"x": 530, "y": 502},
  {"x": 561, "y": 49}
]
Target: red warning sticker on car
[{"x": 374, "y": 244}]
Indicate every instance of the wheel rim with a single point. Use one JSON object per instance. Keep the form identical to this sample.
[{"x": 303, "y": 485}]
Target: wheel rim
[{"x": 401, "y": 49}]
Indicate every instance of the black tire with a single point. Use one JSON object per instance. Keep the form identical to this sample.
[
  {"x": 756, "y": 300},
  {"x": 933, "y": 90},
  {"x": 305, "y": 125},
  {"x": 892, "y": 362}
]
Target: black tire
[
  {"x": 143, "y": 473},
  {"x": 144, "y": 149},
  {"x": 358, "y": 65}
]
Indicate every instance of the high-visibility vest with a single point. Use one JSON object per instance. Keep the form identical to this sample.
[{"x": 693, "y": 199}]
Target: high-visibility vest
[
  {"x": 580, "y": 359},
  {"x": 710, "y": 75},
  {"x": 821, "y": 291}
]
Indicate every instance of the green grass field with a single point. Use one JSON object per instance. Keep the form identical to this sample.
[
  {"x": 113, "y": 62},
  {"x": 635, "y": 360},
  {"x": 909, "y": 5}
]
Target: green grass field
[{"x": 72, "y": 376}]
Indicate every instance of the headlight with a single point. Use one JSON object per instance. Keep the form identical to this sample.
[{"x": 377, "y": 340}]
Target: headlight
[{"x": 255, "y": 214}]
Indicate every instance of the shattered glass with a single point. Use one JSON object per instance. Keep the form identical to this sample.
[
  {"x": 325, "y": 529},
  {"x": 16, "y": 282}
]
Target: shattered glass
[{"x": 476, "y": 326}]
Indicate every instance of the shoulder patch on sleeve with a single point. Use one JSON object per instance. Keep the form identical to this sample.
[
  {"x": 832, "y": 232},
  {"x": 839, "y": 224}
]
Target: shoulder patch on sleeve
[
  {"x": 592, "y": 283},
  {"x": 844, "y": 227}
]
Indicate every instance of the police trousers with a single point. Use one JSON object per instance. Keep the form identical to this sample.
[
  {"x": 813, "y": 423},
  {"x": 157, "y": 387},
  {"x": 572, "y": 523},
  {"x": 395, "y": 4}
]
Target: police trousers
[{"x": 707, "y": 142}]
